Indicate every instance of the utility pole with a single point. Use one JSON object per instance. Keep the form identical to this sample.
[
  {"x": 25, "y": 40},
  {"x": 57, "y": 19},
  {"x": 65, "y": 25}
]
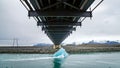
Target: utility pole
[{"x": 15, "y": 41}]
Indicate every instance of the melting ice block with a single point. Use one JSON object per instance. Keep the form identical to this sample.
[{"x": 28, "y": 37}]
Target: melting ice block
[
  {"x": 59, "y": 57},
  {"x": 61, "y": 53}
]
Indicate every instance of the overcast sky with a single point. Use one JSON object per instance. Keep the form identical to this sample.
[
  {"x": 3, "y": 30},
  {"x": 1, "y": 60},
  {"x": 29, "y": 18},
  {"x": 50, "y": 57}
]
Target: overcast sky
[{"x": 15, "y": 23}]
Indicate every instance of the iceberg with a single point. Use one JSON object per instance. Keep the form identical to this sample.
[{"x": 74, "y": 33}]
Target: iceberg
[
  {"x": 60, "y": 56},
  {"x": 61, "y": 53}
]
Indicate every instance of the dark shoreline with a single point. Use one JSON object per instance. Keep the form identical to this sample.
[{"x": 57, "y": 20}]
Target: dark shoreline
[{"x": 50, "y": 50}]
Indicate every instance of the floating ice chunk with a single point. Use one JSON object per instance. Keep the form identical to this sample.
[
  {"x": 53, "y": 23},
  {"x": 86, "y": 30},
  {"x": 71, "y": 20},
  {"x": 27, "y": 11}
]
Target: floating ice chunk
[{"x": 61, "y": 53}]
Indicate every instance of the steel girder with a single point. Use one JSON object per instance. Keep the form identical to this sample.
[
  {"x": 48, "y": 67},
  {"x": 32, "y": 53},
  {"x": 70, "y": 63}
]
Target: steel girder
[{"x": 58, "y": 17}]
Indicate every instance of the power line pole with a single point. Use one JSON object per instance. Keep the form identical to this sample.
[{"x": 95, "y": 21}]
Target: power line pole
[{"x": 15, "y": 41}]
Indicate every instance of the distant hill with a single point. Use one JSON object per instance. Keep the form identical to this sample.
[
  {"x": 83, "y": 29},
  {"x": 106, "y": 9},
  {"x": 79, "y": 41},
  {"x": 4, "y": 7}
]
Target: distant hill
[
  {"x": 111, "y": 42},
  {"x": 42, "y": 44},
  {"x": 105, "y": 42}
]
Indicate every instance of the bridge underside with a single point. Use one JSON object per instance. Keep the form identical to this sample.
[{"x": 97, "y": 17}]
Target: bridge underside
[{"x": 58, "y": 18}]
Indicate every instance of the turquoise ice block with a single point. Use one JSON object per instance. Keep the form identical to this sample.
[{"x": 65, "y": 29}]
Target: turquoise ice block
[
  {"x": 60, "y": 56},
  {"x": 61, "y": 53}
]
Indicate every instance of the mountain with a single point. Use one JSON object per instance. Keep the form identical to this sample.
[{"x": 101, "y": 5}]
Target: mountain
[
  {"x": 105, "y": 42},
  {"x": 42, "y": 44},
  {"x": 111, "y": 42}
]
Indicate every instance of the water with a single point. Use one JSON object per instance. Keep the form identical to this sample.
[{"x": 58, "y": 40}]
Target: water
[{"x": 91, "y": 60}]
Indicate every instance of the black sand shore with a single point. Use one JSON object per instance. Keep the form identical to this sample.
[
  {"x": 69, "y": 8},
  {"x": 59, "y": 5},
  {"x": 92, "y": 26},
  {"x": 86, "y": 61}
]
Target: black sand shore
[{"x": 50, "y": 50}]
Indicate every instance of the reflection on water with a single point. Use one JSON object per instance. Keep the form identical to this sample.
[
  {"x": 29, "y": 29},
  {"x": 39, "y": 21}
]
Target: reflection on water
[
  {"x": 58, "y": 62},
  {"x": 60, "y": 55}
]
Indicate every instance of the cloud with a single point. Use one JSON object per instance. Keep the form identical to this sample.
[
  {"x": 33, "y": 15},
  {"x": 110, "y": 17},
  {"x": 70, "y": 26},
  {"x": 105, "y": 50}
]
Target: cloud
[
  {"x": 15, "y": 23},
  {"x": 103, "y": 26}
]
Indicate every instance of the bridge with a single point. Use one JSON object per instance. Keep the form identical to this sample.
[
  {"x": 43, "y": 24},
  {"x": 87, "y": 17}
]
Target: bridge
[{"x": 59, "y": 18}]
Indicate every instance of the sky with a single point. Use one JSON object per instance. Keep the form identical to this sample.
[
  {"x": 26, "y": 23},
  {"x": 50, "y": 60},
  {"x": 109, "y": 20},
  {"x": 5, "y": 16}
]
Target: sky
[{"x": 15, "y": 23}]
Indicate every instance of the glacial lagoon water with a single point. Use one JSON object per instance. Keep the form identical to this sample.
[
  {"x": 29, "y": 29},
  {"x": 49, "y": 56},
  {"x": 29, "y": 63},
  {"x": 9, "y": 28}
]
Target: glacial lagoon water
[{"x": 90, "y": 60}]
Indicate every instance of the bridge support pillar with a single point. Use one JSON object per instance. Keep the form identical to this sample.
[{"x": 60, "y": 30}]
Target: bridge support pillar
[{"x": 56, "y": 46}]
